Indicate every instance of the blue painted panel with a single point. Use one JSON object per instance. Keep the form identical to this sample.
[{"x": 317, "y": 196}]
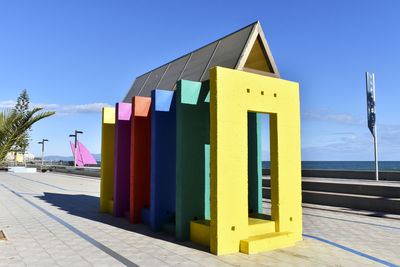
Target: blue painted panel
[
  {"x": 145, "y": 216},
  {"x": 164, "y": 100},
  {"x": 163, "y": 159}
]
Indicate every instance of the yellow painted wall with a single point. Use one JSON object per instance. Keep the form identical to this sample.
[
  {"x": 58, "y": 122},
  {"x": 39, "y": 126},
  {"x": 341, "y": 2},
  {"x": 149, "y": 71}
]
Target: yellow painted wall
[
  {"x": 232, "y": 94},
  {"x": 107, "y": 160}
]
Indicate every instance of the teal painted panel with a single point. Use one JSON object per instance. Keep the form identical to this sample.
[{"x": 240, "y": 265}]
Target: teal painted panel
[
  {"x": 254, "y": 163},
  {"x": 207, "y": 98},
  {"x": 190, "y": 94}
]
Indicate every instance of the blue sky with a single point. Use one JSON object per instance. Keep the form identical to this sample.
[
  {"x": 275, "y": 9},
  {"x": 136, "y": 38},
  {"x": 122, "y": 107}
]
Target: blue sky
[{"x": 77, "y": 56}]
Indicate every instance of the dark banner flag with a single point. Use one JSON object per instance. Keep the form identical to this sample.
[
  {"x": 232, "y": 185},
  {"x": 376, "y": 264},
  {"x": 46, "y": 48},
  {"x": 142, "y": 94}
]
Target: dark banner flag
[{"x": 371, "y": 101}]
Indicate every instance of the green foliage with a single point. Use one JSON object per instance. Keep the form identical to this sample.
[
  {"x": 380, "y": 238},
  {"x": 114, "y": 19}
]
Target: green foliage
[
  {"x": 13, "y": 125},
  {"x": 22, "y": 107}
]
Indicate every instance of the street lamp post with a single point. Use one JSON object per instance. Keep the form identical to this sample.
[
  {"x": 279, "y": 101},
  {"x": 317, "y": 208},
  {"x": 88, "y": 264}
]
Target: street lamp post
[
  {"x": 42, "y": 143},
  {"x": 76, "y": 143}
]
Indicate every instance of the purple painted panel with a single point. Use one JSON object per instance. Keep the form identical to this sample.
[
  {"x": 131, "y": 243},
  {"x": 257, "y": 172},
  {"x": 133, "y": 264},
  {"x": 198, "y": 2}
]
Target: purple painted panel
[
  {"x": 83, "y": 156},
  {"x": 122, "y": 158}
]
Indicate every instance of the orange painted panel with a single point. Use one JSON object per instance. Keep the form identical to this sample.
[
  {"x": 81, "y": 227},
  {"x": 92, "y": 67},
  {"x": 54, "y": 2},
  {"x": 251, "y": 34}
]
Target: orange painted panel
[{"x": 140, "y": 159}]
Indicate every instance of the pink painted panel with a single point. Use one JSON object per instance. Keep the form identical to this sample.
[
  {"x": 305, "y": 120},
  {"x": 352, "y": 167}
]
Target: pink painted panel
[{"x": 83, "y": 155}]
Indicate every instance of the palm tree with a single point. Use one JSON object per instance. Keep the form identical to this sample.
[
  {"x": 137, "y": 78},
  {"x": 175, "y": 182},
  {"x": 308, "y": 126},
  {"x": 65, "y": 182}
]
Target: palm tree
[{"x": 14, "y": 124}]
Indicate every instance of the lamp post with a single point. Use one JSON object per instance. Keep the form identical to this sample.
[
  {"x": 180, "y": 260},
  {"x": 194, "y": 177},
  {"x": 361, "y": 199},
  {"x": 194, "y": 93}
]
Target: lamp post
[
  {"x": 76, "y": 143},
  {"x": 42, "y": 143}
]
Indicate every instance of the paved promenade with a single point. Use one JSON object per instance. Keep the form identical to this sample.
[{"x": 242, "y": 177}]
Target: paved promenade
[{"x": 52, "y": 219}]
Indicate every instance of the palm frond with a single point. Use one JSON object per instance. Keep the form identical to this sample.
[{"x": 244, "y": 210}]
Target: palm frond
[{"x": 13, "y": 125}]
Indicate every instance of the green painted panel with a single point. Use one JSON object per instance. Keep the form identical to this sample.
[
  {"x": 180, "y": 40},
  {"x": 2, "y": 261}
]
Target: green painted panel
[
  {"x": 192, "y": 134},
  {"x": 207, "y": 182}
]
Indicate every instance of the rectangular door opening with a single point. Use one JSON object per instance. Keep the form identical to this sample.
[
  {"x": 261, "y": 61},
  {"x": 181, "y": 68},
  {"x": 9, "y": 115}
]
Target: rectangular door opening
[{"x": 259, "y": 193}]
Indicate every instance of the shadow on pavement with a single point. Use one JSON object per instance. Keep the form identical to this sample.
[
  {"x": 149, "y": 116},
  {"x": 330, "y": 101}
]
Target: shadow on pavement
[{"x": 88, "y": 207}]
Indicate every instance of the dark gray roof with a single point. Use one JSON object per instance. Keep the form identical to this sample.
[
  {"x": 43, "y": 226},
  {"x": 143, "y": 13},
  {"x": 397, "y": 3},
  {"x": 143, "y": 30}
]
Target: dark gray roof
[{"x": 231, "y": 51}]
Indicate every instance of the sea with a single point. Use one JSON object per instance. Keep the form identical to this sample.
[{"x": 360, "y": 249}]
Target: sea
[{"x": 346, "y": 165}]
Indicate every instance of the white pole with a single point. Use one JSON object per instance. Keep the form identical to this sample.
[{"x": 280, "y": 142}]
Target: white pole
[
  {"x": 375, "y": 136},
  {"x": 376, "y": 155}
]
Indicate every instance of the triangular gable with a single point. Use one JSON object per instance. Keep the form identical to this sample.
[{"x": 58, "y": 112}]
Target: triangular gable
[
  {"x": 256, "y": 56},
  {"x": 258, "y": 59}
]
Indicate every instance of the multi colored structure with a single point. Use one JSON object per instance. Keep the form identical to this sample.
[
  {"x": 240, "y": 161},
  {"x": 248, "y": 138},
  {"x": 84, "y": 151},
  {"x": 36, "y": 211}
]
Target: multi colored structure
[{"x": 187, "y": 148}]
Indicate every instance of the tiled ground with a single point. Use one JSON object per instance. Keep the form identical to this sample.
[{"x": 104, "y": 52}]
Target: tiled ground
[{"x": 52, "y": 219}]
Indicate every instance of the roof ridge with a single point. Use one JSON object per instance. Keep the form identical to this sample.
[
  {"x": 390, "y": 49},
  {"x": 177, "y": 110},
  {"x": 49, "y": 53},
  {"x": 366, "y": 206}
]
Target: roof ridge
[{"x": 252, "y": 24}]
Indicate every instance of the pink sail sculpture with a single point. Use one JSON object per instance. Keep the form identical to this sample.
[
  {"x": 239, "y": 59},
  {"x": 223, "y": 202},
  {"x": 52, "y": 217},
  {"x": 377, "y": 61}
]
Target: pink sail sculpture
[{"x": 83, "y": 156}]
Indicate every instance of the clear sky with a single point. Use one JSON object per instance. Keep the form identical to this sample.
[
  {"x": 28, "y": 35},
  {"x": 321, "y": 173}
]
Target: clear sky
[{"x": 77, "y": 56}]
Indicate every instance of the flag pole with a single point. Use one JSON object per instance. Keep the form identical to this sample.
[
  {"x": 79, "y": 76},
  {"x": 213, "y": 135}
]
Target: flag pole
[{"x": 375, "y": 136}]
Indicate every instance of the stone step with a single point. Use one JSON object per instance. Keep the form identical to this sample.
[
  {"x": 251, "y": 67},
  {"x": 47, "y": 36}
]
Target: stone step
[
  {"x": 111, "y": 206},
  {"x": 347, "y": 174},
  {"x": 200, "y": 232},
  {"x": 169, "y": 228},
  {"x": 265, "y": 242},
  {"x": 260, "y": 226},
  {"x": 200, "y": 229},
  {"x": 145, "y": 216},
  {"x": 352, "y": 201},
  {"x": 371, "y": 188}
]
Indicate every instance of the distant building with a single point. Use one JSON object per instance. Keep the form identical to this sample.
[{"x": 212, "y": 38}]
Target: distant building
[{"x": 19, "y": 156}]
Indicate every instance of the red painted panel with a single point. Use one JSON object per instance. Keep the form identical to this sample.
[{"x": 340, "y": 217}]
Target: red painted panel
[{"x": 140, "y": 160}]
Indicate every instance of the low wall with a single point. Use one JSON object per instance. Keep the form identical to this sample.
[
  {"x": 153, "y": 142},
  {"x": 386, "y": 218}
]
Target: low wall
[
  {"x": 94, "y": 172},
  {"x": 348, "y": 174},
  {"x": 340, "y": 174},
  {"x": 22, "y": 170}
]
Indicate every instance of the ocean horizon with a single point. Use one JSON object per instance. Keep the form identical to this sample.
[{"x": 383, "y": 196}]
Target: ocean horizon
[{"x": 346, "y": 165}]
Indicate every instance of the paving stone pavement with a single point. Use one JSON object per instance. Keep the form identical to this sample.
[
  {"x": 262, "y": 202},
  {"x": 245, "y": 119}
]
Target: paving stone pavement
[{"x": 53, "y": 219}]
